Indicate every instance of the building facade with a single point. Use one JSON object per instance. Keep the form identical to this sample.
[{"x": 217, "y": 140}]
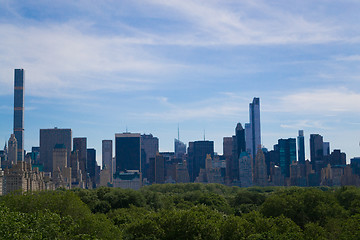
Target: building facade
[
  {"x": 128, "y": 152},
  {"x": 48, "y": 139},
  {"x": 19, "y": 112}
]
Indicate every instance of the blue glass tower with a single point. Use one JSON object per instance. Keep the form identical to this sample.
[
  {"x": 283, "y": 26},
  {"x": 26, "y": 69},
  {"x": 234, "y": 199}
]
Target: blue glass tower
[
  {"x": 301, "y": 147},
  {"x": 19, "y": 112}
]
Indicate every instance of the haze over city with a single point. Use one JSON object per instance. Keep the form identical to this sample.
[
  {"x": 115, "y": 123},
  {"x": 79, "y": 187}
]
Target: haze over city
[{"x": 150, "y": 66}]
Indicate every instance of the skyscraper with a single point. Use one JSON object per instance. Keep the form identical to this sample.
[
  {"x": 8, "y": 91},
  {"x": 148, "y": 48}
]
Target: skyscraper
[
  {"x": 252, "y": 130},
  {"x": 91, "y": 165},
  {"x": 128, "y": 152},
  {"x": 197, "y": 153},
  {"x": 19, "y": 112},
  {"x": 80, "y": 145},
  {"x": 317, "y": 152},
  {"x": 301, "y": 147},
  {"x": 107, "y": 152},
  {"x": 149, "y": 149},
  {"x": 48, "y": 139},
  {"x": 239, "y": 146},
  {"x": 287, "y": 152}
]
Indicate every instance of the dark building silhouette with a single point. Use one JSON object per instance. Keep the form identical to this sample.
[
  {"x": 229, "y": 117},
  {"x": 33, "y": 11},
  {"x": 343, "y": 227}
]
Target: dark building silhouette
[
  {"x": 19, "y": 112},
  {"x": 92, "y": 165},
  {"x": 239, "y": 146},
  {"x": 48, "y": 139},
  {"x": 80, "y": 145},
  {"x": 337, "y": 158},
  {"x": 287, "y": 154},
  {"x": 301, "y": 147},
  {"x": 317, "y": 152},
  {"x": 197, "y": 152},
  {"x": 128, "y": 152}
]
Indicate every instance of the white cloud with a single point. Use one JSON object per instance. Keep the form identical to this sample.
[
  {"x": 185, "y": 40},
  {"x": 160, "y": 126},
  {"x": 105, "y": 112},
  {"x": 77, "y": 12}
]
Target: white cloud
[
  {"x": 322, "y": 101},
  {"x": 225, "y": 106},
  {"x": 62, "y": 57},
  {"x": 218, "y": 22}
]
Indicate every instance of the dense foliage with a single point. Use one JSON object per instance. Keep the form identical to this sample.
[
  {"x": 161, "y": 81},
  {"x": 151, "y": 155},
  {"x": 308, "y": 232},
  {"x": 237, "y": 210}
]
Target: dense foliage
[{"x": 183, "y": 211}]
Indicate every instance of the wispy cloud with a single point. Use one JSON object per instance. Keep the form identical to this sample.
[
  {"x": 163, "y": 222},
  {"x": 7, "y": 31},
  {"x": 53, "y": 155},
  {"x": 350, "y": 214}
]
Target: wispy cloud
[
  {"x": 247, "y": 23},
  {"x": 223, "y": 106},
  {"x": 322, "y": 101}
]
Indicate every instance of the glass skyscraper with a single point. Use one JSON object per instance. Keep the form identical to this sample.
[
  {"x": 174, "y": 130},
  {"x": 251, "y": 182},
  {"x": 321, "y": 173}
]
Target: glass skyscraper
[
  {"x": 301, "y": 147},
  {"x": 252, "y": 129},
  {"x": 128, "y": 152},
  {"x": 19, "y": 112}
]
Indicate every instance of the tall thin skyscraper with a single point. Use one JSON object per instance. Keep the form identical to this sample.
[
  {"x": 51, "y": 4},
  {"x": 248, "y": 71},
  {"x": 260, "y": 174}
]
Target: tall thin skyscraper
[
  {"x": 19, "y": 112},
  {"x": 301, "y": 147},
  {"x": 252, "y": 130}
]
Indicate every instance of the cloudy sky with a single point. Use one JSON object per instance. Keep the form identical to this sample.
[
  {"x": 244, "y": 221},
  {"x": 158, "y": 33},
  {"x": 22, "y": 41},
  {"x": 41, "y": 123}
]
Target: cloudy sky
[{"x": 101, "y": 67}]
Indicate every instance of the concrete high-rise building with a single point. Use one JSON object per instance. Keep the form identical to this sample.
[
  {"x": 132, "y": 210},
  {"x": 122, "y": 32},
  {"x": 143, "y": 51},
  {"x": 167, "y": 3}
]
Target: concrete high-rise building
[
  {"x": 260, "y": 177},
  {"x": 48, "y": 139},
  {"x": 227, "y": 146},
  {"x": 19, "y": 112},
  {"x": 61, "y": 171},
  {"x": 80, "y": 145},
  {"x": 107, "y": 155},
  {"x": 59, "y": 157},
  {"x": 245, "y": 170},
  {"x": 12, "y": 151},
  {"x": 149, "y": 149},
  {"x": 301, "y": 147},
  {"x": 197, "y": 153},
  {"x": 128, "y": 152}
]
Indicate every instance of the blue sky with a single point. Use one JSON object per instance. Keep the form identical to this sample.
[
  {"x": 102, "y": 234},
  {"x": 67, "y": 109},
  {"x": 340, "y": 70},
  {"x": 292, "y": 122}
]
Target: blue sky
[{"x": 99, "y": 67}]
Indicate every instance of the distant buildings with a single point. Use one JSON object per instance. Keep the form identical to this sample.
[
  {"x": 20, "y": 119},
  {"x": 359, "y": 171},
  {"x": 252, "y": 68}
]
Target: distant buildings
[
  {"x": 80, "y": 145},
  {"x": 107, "y": 155},
  {"x": 138, "y": 162},
  {"x": 48, "y": 139},
  {"x": 197, "y": 152}
]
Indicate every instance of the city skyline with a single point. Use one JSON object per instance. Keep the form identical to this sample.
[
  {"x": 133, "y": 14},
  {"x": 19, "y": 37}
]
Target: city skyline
[{"x": 148, "y": 66}]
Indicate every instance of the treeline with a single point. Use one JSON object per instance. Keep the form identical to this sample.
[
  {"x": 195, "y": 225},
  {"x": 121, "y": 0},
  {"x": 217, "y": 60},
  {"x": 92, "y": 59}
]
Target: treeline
[{"x": 183, "y": 211}]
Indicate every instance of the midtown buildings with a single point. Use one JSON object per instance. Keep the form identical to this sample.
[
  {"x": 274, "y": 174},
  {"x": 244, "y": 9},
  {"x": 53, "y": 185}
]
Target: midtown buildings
[
  {"x": 48, "y": 139},
  {"x": 61, "y": 161}
]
